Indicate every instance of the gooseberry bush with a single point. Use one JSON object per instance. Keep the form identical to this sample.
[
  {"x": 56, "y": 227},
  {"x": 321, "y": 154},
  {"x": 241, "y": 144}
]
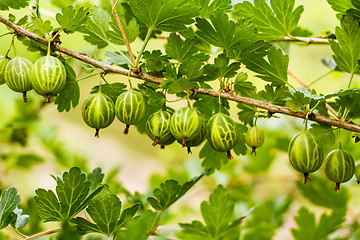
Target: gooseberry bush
[{"x": 205, "y": 75}]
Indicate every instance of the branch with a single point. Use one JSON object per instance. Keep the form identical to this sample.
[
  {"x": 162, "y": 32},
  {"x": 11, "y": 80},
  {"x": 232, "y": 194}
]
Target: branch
[
  {"x": 241, "y": 99},
  {"x": 305, "y": 40},
  {"x": 48, "y": 232},
  {"x": 123, "y": 32}
]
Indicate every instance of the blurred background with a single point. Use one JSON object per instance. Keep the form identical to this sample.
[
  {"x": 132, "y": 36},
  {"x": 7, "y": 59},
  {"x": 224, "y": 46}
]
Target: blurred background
[{"x": 54, "y": 142}]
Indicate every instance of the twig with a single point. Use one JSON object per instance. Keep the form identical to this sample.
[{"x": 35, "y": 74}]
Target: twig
[
  {"x": 305, "y": 40},
  {"x": 308, "y": 87},
  {"x": 123, "y": 32},
  {"x": 48, "y": 232},
  {"x": 249, "y": 101}
]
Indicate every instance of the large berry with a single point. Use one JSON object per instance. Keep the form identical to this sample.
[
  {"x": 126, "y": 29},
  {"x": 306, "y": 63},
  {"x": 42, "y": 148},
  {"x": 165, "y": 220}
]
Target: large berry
[
  {"x": 221, "y": 133},
  {"x": 305, "y": 154},
  {"x": 48, "y": 76},
  {"x": 18, "y": 75},
  {"x": 186, "y": 124},
  {"x": 339, "y": 167},
  {"x": 254, "y": 138},
  {"x": 130, "y": 108},
  {"x": 158, "y": 128},
  {"x": 3, "y": 63},
  {"x": 98, "y": 111}
]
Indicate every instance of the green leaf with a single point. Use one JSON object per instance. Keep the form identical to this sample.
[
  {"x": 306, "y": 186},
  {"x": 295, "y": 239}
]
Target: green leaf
[
  {"x": 274, "y": 95},
  {"x": 70, "y": 95},
  {"x": 243, "y": 87},
  {"x": 96, "y": 28},
  {"x": 217, "y": 214},
  {"x": 273, "y": 22},
  {"x": 207, "y": 8},
  {"x": 274, "y": 70},
  {"x": 324, "y": 133},
  {"x": 222, "y": 68},
  {"x": 113, "y": 90},
  {"x": 297, "y": 101},
  {"x": 181, "y": 50},
  {"x": 105, "y": 210},
  {"x": 117, "y": 58},
  {"x": 309, "y": 230},
  {"x": 347, "y": 50},
  {"x": 9, "y": 202},
  {"x": 20, "y": 220},
  {"x": 63, "y": 3},
  {"x": 131, "y": 30},
  {"x": 95, "y": 178},
  {"x": 341, "y": 6},
  {"x": 72, "y": 191},
  {"x": 14, "y": 4},
  {"x": 224, "y": 33},
  {"x": 27, "y": 160},
  {"x": 71, "y": 19},
  {"x": 167, "y": 15},
  {"x": 40, "y": 27},
  {"x": 169, "y": 192},
  {"x": 154, "y": 97},
  {"x": 209, "y": 105},
  {"x": 321, "y": 193},
  {"x": 155, "y": 61},
  {"x": 247, "y": 113}
]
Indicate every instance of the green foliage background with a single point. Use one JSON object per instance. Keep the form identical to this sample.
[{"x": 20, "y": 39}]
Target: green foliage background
[{"x": 264, "y": 188}]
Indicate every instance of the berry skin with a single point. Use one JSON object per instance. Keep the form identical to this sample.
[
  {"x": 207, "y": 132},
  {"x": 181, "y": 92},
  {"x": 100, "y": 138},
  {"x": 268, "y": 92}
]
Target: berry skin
[
  {"x": 254, "y": 138},
  {"x": 197, "y": 141},
  {"x": 222, "y": 133},
  {"x": 3, "y": 62},
  {"x": 18, "y": 75},
  {"x": 305, "y": 154},
  {"x": 98, "y": 111},
  {"x": 186, "y": 124},
  {"x": 130, "y": 108},
  {"x": 158, "y": 128},
  {"x": 48, "y": 77},
  {"x": 339, "y": 167}
]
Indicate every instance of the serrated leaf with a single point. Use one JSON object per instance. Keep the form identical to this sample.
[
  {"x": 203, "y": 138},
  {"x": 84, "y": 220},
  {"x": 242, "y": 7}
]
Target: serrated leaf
[
  {"x": 246, "y": 114},
  {"x": 95, "y": 178},
  {"x": 319, "y": 192},
  {"x": 131, "y": 30},
  {"x": 117, "y": 58},
  {"x": 113, "y": 90},
  {"x": 272, "y": 22},
  {"x": 105, "y": 211},
  {"x": 22, "y": 21},
  {"x": 243, "y": 87},
  {"x": 9, "y": 202},
  {"x": 297, "y": 101},
  {"x": 217, "y": 214},
  {"x": 181, "y": 50},
  {"x": 72, "y": 196},
  {"x": 170, "y": 191},
  {"x": 275, "y": 95},
  {"x": 207, "y": 8},
  {"x": 309, "y": 230},
  {"x": 340, "y": 6},
  {"x": 209, "y": 105},
  {"x": 347, "y": 50},
  {"x": 96, "y": 28},
  {"x": 224, "y": 33},
  {"x": 155, "y": 61},
  {"x": 70, "y": 95},
  {"x": 324, "y": 133},
  {"x": 154, "y": 97},
  {"x": 222, "y": 68},
  {"x": 40, "y": 27},
  {"x": 71, "y": 19},
  {"x": 167, "y": 15},
  {"x": 14, "y": 4},
  {"x": 273, "y": 70}
]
